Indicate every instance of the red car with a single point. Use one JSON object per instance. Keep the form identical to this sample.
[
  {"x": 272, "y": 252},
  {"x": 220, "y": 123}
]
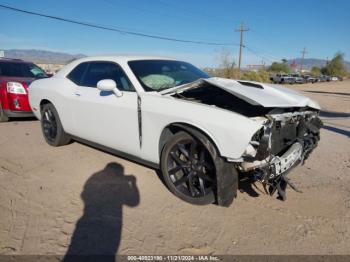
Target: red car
[{"x": 15, "y": 77}]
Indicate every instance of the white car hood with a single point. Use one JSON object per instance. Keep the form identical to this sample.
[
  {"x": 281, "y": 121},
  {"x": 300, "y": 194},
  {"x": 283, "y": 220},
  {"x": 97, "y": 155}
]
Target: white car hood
[{"x": 256, "y": 93}]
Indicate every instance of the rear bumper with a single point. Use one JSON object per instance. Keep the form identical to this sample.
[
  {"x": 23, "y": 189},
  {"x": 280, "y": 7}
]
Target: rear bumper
[
  {"x": 18, "y": 102},
  {"x": 10, "y": 113}
]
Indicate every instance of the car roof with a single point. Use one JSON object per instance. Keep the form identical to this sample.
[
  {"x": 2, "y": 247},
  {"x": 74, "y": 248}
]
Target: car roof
[
  {"x": 122, "y": 57},
  {"x": 13, "y": 60}
]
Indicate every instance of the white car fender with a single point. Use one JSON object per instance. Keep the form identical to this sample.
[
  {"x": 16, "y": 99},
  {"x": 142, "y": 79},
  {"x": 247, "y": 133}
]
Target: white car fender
[{"x": 230, "y": 132}]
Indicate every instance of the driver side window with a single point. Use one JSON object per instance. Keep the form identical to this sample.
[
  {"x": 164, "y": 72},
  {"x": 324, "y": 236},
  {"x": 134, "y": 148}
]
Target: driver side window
[
  {"x": 97, "y": 71},
  {"x": 89, "y": 73}
]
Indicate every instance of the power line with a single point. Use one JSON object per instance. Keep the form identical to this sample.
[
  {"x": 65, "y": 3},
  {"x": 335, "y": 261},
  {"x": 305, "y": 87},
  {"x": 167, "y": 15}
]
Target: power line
[
  {"x": 262, "y": 53},
  {"x": 263, "y": 56},
  {"x": 114, "y": 29},
  {"x": 241, "y": 29}
]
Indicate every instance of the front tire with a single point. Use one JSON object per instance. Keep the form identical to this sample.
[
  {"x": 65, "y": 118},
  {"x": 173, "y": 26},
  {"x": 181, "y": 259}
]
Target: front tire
[
  {"x": 189, "y": 169},
  {"x": 52, "y": 127}
]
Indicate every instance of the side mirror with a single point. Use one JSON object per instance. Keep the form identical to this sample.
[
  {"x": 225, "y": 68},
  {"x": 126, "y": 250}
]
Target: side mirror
[{"x": 109, "y": 85}]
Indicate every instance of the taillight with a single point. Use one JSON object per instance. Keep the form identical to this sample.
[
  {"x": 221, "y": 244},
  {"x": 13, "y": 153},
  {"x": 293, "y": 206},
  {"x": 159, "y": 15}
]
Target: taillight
[{"x": 16, "y": 88}]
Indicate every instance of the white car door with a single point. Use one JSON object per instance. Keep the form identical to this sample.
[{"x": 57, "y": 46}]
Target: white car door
[{"x": 102, "y": 117}]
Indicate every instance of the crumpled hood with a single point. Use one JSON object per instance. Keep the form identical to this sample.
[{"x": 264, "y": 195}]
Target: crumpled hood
[{"x": 258, "y": 93}]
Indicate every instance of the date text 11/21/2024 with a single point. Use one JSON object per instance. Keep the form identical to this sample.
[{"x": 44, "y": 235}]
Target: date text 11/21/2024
[{"x": 173, "y": 258}]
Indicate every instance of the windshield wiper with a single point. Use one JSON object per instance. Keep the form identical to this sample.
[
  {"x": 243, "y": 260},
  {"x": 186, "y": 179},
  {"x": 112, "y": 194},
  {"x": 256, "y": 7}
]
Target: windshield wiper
[
  {"x": 164, "y": 88},
  {"x": 173, "y": 89}
]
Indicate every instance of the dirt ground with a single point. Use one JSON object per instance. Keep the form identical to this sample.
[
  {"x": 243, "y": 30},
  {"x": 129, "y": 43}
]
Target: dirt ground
[{"x": 80, "y": 199}]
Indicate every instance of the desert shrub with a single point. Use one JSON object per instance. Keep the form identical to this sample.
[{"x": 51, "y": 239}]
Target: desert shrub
[
  {"x": 264, "y": 76},
  {"x": 251, "y": 76},
  {"x": 280, "y": 67},
  {"x": 231, "y": 73},
  {"x": 259, "y": 76},
  {"x": 335, "y": 67},
  {"x": 315, "y": 71}
]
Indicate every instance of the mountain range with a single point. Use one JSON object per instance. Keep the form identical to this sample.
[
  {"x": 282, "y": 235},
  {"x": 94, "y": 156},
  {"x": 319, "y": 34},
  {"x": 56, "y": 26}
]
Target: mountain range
[
  {"x": 49, "y": 57},
  {"x": 42, "y": 56},
  {"x": 310, "y": 62}
]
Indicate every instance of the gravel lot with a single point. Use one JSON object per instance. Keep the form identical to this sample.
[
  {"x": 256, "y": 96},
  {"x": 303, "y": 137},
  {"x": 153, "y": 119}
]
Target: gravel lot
[{"x": 80, "y": 199}]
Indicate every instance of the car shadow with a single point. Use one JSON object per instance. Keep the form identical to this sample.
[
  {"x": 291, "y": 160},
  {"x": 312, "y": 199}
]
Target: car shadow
[
  {"x": 325, "y": 92},
  {"x": 333, "y": 114},
  {"x": 246, "y": 185},
  {"x": 22, "y": 119},
  {"x": 97, "y": 233},
  {"x": 337, "y": 130}
]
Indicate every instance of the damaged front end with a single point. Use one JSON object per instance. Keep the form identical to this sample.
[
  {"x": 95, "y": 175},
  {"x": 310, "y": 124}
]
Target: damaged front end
[
  {"x": 290, "y": 126},
  {"x": 285, "y": 140}
]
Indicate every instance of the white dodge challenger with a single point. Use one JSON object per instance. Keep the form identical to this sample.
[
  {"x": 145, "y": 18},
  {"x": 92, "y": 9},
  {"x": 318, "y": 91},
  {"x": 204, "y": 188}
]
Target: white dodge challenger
[{"x": 201, "y": 132}]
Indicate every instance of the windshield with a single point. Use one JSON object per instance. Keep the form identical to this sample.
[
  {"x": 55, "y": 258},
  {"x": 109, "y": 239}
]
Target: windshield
[
  {"x": 157, "y": 75},
  {"x": 21, "y": 70}
]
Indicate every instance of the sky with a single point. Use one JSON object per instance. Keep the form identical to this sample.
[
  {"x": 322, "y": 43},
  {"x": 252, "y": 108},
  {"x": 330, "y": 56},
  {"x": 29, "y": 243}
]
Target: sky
[{"x": 277, "y": 29}]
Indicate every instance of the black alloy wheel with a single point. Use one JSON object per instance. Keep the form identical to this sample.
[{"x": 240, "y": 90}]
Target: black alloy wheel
[
  {"x": 49, "y": 125},
  {"x": 189, "y": 170},
  {"x": 52, "y": 128}
]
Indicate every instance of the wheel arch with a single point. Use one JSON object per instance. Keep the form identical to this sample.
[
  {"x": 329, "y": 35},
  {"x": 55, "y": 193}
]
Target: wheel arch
[
  {"x": 44, "y": 102},
  {"x": 172, "y": 128},
  {"x": 226, "y": 178}
]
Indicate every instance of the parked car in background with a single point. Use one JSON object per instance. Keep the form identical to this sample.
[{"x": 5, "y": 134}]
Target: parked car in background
[
  {"x": 297, "y": 79},
  {"x": 310, "y": 79},
  {"x": 334, "y": 78},
  {"x": 15, "y": 77},
  {"x": 199, "y": 131},
  {"x": 322, "y": 78},
  {"x": 282, "y": 79}
]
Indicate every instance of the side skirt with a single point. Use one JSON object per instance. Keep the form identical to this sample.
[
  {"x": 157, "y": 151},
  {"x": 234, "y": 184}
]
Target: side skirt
[{"x": 117, "y": 153}]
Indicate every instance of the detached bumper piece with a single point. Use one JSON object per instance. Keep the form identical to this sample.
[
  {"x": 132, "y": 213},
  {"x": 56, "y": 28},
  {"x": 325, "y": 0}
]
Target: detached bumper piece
[
  {"x": 280, "y": 167},
  {"x": 273, "y": 170}
]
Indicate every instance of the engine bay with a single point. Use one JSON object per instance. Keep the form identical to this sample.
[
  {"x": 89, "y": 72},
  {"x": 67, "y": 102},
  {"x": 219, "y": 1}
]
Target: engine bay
[{"x": 217, "y": 97}]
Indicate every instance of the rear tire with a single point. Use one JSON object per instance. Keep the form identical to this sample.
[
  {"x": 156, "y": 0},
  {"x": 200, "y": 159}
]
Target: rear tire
[
  {"x": 52, "y": 128},
  {"x": 3, "y": 116},
  {"x": 189, "y": 169}
]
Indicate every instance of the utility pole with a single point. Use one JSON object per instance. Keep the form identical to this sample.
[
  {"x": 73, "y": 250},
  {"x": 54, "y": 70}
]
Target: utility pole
[
  {"x": 241, "y": 29},
  {"x": 303, "y": 52}
]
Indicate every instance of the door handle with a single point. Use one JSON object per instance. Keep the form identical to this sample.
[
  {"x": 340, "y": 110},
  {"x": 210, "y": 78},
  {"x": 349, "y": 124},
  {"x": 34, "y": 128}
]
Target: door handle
[{"x": 77, "y": 94}]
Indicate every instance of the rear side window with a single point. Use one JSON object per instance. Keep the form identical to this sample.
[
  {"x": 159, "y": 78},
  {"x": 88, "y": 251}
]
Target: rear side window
[
  {"x": 11, "y": 69},
  {"x": 97, "y": 71},
  {"x": 76, "y": 75}
]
